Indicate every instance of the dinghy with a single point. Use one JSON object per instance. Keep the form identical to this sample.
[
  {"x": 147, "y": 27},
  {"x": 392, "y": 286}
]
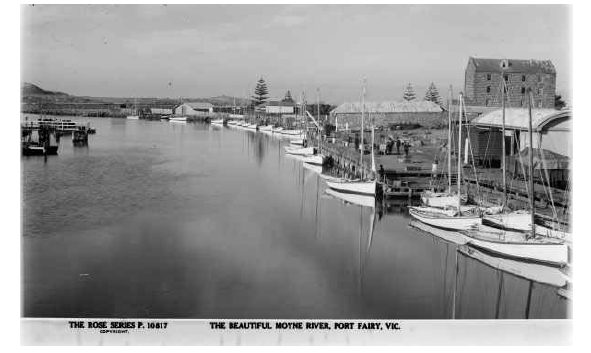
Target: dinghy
[
  {"x": 438, "y": 218},
  {"x": 317, "y": 159},
  {"x": 305, "y": 151},
  {"x": 218, "y": 122}
]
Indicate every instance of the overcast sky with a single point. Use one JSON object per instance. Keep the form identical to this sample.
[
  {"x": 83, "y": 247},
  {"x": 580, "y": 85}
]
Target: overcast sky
[{"x": 209, "y": 50}]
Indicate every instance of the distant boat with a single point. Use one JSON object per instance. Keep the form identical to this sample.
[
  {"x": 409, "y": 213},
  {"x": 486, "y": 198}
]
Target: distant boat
[
  {"x": 277, "y": 130},
  {"x": 181, "y": 119},
  {"x": 301, "y": 151},
  {"x": 267, "y": 128},
  {"x": 252, "y": 127},
  {"x": 165, "y": 117},
  {"x": 299, "y": 142},
  {"x": 219, "y": 122},
  {"x": 134, "y": 115}
]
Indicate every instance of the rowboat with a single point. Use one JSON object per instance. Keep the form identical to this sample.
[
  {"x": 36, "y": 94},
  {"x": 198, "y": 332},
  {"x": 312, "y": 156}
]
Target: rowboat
[
  {"x": 252, "y": 127},
  {"x": 267, "y": 128},
  {"x": 518, "y": 245},
  {"x": 219, "y": 122},
  {"x": 178, "y": 119},
  {"x": 299, "y": 142}
]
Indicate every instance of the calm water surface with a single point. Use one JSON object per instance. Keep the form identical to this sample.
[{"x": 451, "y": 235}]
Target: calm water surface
[{"x": 159, "y": 219}]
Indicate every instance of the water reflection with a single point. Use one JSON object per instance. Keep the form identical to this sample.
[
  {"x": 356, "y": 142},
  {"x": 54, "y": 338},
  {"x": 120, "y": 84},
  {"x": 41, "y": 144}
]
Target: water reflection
[{"x": 180, "y": 221}]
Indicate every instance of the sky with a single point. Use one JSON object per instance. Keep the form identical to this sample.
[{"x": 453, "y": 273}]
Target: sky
[{"x": 210, "y": 50}]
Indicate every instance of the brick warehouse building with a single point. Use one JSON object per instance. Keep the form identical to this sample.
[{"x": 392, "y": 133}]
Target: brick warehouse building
[{"x": 483, "y": 77}]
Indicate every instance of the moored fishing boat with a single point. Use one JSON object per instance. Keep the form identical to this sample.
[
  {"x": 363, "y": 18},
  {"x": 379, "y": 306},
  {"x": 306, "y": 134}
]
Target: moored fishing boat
[
  {"x": 531, "y": 271},
  {"x": 519, "y": 245},
  {"x": 356, "y": 187},
  {"x": 302, "y": 151},
  {"x": 524, "y": 245},
  {"x": 438, "y": 218}
]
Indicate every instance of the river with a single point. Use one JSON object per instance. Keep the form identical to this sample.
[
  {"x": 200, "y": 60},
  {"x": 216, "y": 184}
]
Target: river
[{"x": 168, "y": 220}]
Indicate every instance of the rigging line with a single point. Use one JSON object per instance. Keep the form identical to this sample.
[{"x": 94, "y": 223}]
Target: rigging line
[{"x": 554, "y": 213}]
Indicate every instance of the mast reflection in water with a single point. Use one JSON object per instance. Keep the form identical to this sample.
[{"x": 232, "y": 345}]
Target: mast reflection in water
[{"x": 157, "y": 219}]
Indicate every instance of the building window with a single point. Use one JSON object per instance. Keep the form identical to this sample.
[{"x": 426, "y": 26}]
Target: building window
[
  {"x": 522, "y": 78},
  {"x": 507, "y": 78},
  {"x": 488, "y": 77},
  {"x": 487, "y": 89},
  {"x": 522, "y": 90}
]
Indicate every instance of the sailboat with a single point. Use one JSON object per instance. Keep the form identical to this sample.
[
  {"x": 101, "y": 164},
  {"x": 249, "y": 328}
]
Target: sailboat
[
  {"x": 318, "y": 158},
  {"x": 450, "y": 219},
  {"x": 443, "y": 199},
  {"x": 363, "y": 186},
  {"x": 134, "y": 115},
  {"x": 529, "y": 246}
]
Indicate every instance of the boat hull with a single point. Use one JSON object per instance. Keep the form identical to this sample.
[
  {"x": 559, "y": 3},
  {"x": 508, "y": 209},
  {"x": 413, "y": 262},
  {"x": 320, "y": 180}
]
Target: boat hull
[
  {"x": 354, "y": 187},
  {"x": 356, "y": 199},
  {"x": 514, "y": 245},
  {"x": 444, "y": 221}
]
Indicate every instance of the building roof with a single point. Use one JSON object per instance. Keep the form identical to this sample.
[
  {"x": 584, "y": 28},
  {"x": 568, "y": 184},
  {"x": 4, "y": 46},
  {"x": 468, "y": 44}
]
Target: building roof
[
  {"x": 199, "y": 105},
  {"x": 388, "y": 107},
  {"x": 279, "y": 103},
  {"x": 518, "y": 118},
  {"x": 530, "y": 66}
]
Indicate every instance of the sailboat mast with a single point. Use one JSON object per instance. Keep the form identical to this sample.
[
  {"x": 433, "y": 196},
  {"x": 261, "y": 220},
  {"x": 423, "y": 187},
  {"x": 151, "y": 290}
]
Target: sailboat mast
[
  {"x": 503, "y": 153},
  {"x": 305, "y": 116},
  {"x": 449, "y": 103},
  {"x": 318, "y": 115},
  {"x": 362, "y": 117},
  {"x": 531, "y": 167},
  {"x": 460, "y": 154}
]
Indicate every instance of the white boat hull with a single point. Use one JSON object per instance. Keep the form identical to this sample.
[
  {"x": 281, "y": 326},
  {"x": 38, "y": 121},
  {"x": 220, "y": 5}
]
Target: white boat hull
[
  {"x": 268, "y": 128},
  {"x": 515, "y": 245},
  {"x": 531, "y": 271},
  {"x": 441, "y": 220},
  {"x": 133, "y": 117},
  {"x": 252, "y": 127},
  {"x": 356, "y": 199},
  {"x": 178, "y": 119},
  {"x": 355, "y": 187},
  {"x": 300, "y": 151},
  {"x": 299, "y": 142},
  {"x": 316, "y": 159},
  {"x": 219, "y": 122}
]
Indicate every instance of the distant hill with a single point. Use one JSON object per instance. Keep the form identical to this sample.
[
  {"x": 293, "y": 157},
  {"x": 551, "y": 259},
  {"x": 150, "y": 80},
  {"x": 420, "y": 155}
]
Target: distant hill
[
  {"x": 32, "y": 93},
  {"x": 29, "y": 89}
]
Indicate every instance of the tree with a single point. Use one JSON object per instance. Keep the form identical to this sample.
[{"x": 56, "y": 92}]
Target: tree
[
  {"x": 409, "y": 93},
  {"x": 287, "y": 97},
  {"x": 432, "y": 94},
  {"x": 260, "y": 93},
  {"x": 559, "y": 103}
]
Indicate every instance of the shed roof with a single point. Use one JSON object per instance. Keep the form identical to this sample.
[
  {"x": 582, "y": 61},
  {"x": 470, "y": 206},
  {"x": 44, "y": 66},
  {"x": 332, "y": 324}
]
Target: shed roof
[
  {"x": 199, "y": 105},
  {"x": 513, "y": 65},
  {"x": 518, "y": 118},
  {"x": 388, "y": 107}
]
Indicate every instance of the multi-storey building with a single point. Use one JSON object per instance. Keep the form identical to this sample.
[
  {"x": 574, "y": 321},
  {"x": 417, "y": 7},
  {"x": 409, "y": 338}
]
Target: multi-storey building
[{"x": 484, "y": 78}]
